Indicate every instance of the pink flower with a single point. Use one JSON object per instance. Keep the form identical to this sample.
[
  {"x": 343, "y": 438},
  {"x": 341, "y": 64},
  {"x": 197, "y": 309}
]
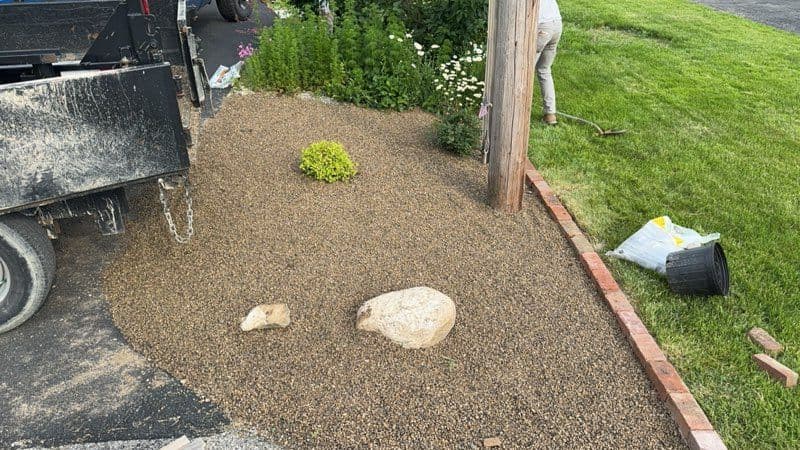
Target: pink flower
[{"x": 245, "y": 51}]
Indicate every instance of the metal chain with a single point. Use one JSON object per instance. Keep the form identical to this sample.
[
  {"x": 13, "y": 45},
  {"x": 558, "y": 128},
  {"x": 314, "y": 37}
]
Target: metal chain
[{"x": 163, "y": 186}]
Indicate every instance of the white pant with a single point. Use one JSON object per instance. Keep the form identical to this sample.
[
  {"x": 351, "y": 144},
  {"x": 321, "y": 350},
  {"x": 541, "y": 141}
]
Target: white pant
[{"x": 547, "y": 37}]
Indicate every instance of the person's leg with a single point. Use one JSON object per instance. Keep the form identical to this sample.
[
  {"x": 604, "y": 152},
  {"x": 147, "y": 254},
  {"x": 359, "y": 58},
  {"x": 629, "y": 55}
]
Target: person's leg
[{"x": 548, "y": 37}]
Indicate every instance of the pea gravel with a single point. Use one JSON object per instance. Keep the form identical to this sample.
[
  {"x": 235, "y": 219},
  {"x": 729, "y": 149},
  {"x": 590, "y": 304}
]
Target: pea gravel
[{"x": 534, "y": 358}]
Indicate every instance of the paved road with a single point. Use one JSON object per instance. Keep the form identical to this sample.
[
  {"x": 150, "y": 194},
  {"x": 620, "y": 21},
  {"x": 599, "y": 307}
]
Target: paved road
[
  {"x": 67, "y": 376},
  {"x": 220, "y": 40},
  {"x": 783, "y": 14}
]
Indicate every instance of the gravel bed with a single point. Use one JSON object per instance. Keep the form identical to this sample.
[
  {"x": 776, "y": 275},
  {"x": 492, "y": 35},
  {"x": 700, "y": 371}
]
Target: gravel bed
[{"x": 534, "y": 358}]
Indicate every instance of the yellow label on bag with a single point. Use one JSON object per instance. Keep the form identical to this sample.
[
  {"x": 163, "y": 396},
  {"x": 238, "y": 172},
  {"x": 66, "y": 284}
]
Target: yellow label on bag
[{"x": 661, "y": 222}]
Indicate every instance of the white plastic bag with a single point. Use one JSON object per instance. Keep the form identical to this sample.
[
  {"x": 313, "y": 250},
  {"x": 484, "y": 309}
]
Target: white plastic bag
[
  {"x": 659, "y": 237},
  {"x": 223, "y": 77}
]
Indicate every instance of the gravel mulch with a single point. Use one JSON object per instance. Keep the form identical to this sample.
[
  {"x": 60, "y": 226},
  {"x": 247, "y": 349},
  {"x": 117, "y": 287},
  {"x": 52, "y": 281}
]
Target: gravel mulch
[{"x": 534, "y": 358}]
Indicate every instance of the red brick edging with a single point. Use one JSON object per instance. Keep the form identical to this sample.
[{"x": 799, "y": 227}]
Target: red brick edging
[{"x": 692, "y": 422}]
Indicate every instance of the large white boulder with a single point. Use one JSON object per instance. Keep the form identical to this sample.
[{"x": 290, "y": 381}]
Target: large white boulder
[
  {"x": 267, "y": 316},
  {"x": 419, "y": 317}
]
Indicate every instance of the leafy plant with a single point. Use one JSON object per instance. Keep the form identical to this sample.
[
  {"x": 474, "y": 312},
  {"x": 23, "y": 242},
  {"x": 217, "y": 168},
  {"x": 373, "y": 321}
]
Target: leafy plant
[
  {"x": 370, "y": 58},
  {"x": 457, "y": 22},
  {"x": 459, "y": 132},
  {"x": 380, "y": 60},
  {"x": 295, "y": 53},
  {"x": 275, "y": 64},
  {"x": 327, "y": 161}
]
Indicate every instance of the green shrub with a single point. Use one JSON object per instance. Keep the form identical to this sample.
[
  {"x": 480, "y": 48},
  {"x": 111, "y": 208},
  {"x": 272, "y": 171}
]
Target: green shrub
[
  {"x": 459, "y": 132},
  {"x": 320, "y": 65},
  {"x": 275, "y": 64},
  {"x": 380, "y": 61},
  {"x": 459, "y": 22},
  {"x": 295, "y": 53},
  {"x": 327, "y": 161},
  {"x": 370, "y": 58}
]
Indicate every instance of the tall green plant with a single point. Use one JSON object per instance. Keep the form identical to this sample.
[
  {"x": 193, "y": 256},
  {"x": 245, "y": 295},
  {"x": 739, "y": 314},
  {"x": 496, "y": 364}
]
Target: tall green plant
[
  {"x": 275, "y": 65},
  {"x": 295, "y": 53},
  {"x": 370, "y": 58},
  {"x": 320, "y": 65},
  {"x": 380, "y": 61}
]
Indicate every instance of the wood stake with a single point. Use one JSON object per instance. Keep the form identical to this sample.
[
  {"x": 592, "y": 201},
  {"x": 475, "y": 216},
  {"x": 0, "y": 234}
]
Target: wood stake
[{"x": 511, "y": 48}]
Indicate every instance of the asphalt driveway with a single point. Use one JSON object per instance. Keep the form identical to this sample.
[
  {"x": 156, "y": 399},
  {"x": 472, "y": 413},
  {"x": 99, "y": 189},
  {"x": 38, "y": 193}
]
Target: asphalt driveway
[
  {"x": 67, "y": 376},
  {"x": 783, "y": 14}
]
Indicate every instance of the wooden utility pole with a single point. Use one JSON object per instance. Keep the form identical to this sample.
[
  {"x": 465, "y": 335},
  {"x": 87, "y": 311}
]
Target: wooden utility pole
[{"x": 511, "y": 46}]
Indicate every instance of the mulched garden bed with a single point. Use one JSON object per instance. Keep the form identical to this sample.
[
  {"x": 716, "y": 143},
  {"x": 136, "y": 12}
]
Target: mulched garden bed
[{"x": 534, "y": 357}]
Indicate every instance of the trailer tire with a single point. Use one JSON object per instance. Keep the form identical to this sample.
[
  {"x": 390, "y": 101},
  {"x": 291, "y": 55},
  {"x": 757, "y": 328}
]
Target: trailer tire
[
  {"x": 27, "y": 269},
  {"x": 235, "y": 10}
]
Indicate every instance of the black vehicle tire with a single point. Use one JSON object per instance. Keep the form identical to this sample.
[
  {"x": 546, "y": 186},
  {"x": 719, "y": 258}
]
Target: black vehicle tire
[
  {"x": 27, "y": 268},
  {"x": 235, "y": 10}
]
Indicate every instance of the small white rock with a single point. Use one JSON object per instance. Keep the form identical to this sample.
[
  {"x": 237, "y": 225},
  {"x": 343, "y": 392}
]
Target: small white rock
[
  {"x": 305, "y": 96},
  {"x": 267, "y": 316},
  {"x": 419, "y": 317}
]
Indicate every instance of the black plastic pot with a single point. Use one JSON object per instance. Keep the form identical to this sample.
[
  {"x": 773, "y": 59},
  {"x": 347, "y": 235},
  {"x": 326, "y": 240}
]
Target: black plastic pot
[{"x": 698, "y": 271}]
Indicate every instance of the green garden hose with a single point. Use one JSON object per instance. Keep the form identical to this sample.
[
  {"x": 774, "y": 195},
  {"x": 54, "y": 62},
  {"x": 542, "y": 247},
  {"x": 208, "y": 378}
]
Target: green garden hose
[{"x": 600, "y": 132}]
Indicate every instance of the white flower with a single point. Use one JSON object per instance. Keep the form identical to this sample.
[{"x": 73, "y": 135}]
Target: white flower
[
  {"x": 473, "y": 79},
  {"x": 399, "y": 39},
  {"x": 439, "y": 87},
  {"x": 420, "y": 53},
  {"x": 455, "y": 57},
  {"x": 283, "y": 13},
  {"x": 477, "y": 59},
  {"x": 413, "y": 65},
  {"x": 463, "y": 73},
  {"x": 478, "y": 50},
  {"x": 417, "y": 46},
  {"x": 481, "y": 83},
  {"x": 391, "y": 36},
  {"x": 408, "y": 35},
  {"x": 451, "y": 98},
  {"x": 434, "y": 46},
  {"x": 477, "y": 95},
  {"x": 468, "y": 59}
]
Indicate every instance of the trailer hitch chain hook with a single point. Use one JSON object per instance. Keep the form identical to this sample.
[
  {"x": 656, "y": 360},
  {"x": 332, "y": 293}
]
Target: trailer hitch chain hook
[{"x": 173, "y": 184}]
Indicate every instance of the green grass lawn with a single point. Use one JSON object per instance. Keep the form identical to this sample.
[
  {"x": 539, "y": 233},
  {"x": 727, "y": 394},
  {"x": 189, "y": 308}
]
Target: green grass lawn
[{"x": 712, "y": 103}]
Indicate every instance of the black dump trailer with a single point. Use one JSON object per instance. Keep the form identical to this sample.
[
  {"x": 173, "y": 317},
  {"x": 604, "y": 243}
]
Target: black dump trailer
[{"x": 91, "y": 100}]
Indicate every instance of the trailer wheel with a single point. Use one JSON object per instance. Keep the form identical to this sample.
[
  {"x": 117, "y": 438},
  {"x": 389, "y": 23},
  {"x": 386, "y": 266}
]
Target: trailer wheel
[
  {"x": 27, "y": 268},
  {"x": 235, "y": 10}
]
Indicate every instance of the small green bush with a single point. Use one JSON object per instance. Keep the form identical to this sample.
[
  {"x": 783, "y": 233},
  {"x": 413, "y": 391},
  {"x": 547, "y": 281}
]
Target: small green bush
[
  {"x": 327, "y": 161},
  {"x": 459, "y": 132}
]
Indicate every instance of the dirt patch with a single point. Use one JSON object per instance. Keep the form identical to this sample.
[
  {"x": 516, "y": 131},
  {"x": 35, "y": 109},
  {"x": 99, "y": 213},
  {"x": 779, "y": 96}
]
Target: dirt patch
[{"x": 534, "y": 356}]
